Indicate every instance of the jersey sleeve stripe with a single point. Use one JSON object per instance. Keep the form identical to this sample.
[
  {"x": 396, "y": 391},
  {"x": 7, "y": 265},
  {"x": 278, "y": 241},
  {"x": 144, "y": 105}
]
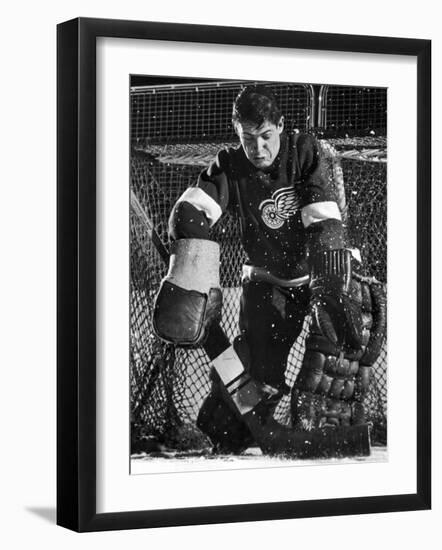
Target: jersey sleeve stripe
[
  {"x": 203, "y": 202},
  {"x": 320, "y": 211}
]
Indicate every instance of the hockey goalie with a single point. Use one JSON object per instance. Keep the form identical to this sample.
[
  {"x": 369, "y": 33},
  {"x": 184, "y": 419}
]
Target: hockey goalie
[{"x": 297, "y": 264}]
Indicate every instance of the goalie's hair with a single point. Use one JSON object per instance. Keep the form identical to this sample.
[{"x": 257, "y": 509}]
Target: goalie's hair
[{"x": 256, "y": 103}]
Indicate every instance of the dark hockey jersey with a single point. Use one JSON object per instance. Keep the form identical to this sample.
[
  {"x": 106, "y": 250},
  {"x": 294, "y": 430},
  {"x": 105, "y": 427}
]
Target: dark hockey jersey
[{"x": 286, "y": 211}]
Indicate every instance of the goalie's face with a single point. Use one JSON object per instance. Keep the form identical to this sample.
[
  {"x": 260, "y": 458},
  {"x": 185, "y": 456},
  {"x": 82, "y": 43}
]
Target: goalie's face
[{"x": 260, "y": 143}]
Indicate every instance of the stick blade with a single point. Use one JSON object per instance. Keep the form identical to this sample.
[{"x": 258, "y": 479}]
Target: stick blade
[
  {"x": 328, "y": 442},
  {"x": 338, "y": 442}
]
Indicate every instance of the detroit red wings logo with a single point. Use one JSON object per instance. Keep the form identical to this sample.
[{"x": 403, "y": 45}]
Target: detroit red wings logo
[{"x": 283, "y": 204}]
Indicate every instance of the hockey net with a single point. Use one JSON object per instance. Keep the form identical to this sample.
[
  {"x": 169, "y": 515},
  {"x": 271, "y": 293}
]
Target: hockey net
[{"x": 167, "y": 385}]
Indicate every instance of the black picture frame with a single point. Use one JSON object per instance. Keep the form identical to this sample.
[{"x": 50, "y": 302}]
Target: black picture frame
[{"x": 77, "y": 287}]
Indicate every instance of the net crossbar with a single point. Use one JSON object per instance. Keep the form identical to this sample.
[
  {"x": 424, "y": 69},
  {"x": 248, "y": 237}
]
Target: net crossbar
[{"x": 201, "y": 154}]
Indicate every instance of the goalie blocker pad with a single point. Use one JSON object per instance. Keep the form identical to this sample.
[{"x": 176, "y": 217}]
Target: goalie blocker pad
[
  {"x": 246, "y": 398},
  {"x": 189, "y": 299}
]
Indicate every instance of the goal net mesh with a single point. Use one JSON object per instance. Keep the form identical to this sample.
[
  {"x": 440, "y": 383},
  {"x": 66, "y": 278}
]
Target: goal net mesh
[{"x": 167, "y": 385}]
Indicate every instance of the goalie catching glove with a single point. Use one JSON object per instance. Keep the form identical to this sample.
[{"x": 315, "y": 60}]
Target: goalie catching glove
[
  {"x": 346, "y": 333},
  {"x": 189, "y": 299}
]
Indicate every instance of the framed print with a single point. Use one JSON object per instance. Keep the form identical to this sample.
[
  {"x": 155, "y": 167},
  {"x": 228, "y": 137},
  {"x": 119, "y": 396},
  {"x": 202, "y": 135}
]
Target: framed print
[{"x": 243, "y": 274}]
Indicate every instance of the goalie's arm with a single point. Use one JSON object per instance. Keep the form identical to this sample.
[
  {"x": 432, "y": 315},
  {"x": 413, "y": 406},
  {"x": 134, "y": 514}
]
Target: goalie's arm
[
  {"x": 201, "y": 206},
  {"x": 319, "y": 210},
  {"x": 189, "y": 299},
  {"x": 330, "y": 263}
]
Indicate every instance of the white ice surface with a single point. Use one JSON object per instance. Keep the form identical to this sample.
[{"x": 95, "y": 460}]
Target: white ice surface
[{"x": 251, "y": 459}]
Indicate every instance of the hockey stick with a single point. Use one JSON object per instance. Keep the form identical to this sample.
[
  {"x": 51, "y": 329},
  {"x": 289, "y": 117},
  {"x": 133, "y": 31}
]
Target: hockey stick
[
  {"x": 246, "y": 396},
  {"x": 153, "y": 235}
]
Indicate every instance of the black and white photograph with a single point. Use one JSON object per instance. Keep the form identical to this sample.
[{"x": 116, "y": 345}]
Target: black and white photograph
[
  {"x": 220, "y": 275},
  {"x": 243, "y": 223},
  {"x": 258, "y": 274}
]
